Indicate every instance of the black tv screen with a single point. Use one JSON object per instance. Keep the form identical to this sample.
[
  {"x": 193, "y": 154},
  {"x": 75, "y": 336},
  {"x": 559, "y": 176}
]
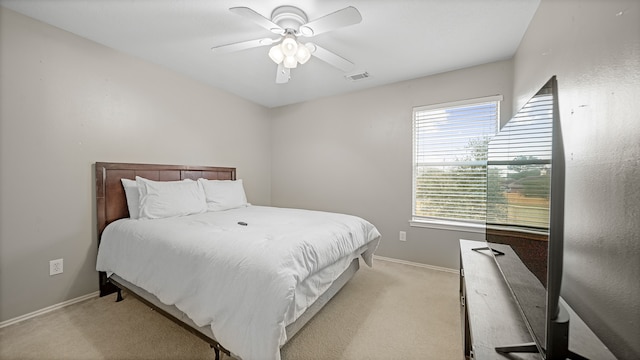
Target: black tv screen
[{"x": 525, "y": 218}]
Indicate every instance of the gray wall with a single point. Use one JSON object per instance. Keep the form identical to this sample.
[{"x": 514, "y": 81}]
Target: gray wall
[
  {"x": 66, "y": 103},
  {"x": 353, "y": 154},
  {"x": 594, "y": 49}
]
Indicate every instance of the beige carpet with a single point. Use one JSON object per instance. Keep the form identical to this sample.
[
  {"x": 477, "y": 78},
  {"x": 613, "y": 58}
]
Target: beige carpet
[{"x": 392, "y": 311}]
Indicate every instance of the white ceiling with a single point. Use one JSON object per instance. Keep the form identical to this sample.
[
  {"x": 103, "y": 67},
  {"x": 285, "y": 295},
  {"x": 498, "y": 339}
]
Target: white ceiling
[{"x": 396, "y": 40}]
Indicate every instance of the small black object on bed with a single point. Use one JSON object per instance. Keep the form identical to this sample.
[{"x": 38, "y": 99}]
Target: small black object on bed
[{"x": 242, "y": 223}]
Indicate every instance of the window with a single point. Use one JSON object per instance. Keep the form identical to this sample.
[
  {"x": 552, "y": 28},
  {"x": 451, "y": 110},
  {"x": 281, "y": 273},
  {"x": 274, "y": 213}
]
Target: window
[{"x": 450, "y": 159}]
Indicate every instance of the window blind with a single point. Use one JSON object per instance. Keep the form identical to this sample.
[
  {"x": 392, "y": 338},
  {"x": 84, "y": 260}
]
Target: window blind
[
  {"x": 519, "y": 168},
  {"x": 450, "y": 158}
]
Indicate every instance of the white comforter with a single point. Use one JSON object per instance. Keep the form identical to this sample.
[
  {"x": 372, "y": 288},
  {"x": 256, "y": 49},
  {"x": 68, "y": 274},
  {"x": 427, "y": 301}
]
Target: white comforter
[{"x": 239, "y": 279}]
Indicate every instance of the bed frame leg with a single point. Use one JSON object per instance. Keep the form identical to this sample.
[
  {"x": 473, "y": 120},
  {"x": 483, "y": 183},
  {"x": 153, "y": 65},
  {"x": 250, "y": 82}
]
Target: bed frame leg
[
  {"x": 119, "y": 297},
  {"x": 216, "y": 351}
]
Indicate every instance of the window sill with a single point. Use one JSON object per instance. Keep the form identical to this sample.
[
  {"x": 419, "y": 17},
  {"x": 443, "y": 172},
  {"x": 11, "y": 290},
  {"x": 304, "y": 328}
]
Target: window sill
[{"x": 449, "y": 225}]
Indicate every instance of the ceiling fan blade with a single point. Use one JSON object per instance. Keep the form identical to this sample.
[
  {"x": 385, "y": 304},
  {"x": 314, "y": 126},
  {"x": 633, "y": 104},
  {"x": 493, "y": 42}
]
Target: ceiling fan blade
[
  {"x": 258, "y": 19},
  {"x": 330, "y": 57},
  {"x": 243, "y": 45},
  {"x": 341, "y": 18},
  {"x": 283, "y": 74}
]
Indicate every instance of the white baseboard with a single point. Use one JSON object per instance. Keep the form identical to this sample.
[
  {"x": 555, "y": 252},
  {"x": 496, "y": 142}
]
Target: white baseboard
[
  {"x": 432, "y": 267},
  {"x": 48, "y": 309}
]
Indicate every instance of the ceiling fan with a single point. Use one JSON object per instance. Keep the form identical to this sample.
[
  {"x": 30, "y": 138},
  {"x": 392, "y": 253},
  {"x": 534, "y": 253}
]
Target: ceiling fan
[{"x": 291, "y": 23}]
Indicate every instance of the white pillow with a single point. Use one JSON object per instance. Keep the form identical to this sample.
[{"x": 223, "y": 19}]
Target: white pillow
[
  {"x": 223, "y": 194},
  {"x": 133, "y": 197},
  {"x": 162, "y": 199}
]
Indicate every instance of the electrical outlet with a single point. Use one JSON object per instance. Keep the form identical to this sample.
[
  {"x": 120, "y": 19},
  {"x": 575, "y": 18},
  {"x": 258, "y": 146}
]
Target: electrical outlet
[
  {"x": 403, "y": 236},
  {"x": 55, "y": 267}
]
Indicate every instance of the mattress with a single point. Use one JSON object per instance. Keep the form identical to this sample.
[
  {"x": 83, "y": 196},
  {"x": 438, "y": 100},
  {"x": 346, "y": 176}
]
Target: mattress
[{"x": 247, "y": 282}]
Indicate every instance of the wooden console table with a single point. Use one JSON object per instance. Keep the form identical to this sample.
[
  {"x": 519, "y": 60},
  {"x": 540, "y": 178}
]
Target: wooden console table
[{"x": 490, "y": 316}]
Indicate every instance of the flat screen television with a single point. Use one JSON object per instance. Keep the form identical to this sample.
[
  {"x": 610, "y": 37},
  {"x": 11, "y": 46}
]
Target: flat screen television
[{"x": 525, "y": 219}]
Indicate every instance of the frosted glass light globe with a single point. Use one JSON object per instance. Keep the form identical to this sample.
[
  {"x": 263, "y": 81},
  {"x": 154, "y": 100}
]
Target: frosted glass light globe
[
  {"x": 275, "y": 53},
  {"x": 290, "y": 62},
  {"x": 289, "y": 46},
  {"x": 303, "y": 54}
]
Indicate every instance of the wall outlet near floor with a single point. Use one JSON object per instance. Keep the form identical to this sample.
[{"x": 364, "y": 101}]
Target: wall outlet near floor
[
  {"x": 403, "y": 236},
  {"x": 55, "y": 267}
]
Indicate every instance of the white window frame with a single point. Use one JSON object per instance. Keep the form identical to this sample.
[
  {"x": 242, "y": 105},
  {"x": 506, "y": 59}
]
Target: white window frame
[{"x": 438, "y": 223}]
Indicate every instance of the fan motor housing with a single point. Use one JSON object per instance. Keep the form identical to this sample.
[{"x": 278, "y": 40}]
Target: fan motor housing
[{"x": 289, "y": 17}]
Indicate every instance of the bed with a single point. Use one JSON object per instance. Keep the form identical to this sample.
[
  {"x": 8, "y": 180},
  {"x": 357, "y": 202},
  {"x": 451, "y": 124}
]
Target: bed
[{"x": 254, "y": 276}]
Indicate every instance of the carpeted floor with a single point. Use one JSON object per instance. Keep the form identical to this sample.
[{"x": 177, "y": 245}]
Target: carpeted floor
[{"x": 392, "y": 311}]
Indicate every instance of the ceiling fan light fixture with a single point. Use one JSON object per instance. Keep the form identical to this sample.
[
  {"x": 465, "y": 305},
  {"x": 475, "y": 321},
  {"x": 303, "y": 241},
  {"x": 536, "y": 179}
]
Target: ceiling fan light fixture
[
  {"x": 289, "y": 45},
  {"x": 276, "y": 54},
  {"x": 290, "y": 62},
  {"x": 290, "y": 22},
  {"x": 303, "y": 54},
  {"x": 312, "y": 47}
]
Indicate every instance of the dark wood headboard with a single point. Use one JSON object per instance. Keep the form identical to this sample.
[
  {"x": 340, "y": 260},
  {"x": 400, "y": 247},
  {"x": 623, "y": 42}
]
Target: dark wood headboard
[{"x": 111, "y": 202}]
